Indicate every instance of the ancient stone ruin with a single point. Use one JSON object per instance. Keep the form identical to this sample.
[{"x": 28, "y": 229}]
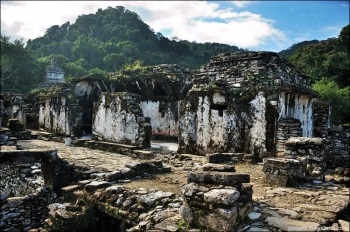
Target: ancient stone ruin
[
  {"x": 54, "y": 74},
  {"x": 242, "y": 144}
]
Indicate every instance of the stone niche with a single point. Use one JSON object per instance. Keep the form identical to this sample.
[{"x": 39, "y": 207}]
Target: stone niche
[{"x": 117, "y": 117}]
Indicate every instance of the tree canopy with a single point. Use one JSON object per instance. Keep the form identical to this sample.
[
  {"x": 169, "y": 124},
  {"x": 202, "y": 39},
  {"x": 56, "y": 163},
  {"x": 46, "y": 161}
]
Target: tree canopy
[
  {"x": 110, "y": 38},
  {"x": 327, "y": 64},
  {"x": 20, "y": 72}
]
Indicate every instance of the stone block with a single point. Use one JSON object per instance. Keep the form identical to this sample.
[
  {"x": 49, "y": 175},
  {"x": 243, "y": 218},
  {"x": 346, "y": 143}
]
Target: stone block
[
  {"x": 224, "y": 178},
  {"x": 218, "y": 168},
  {"x": 94, "y": 185},
  {"x": 70, "y": 188},
  {"x": 112, "y": 176},
  {"x": 280, "y": 163},
  {"x": 219, "y": 219},
  {"x": 218, "y": 158},
  {"x": 127, "y": 173},
  {"x": 221, "y": 196},
  {"x": 278, "y": 180}
]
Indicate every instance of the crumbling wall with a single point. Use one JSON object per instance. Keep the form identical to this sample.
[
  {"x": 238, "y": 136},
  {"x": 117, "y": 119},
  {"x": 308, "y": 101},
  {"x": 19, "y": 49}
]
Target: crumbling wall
[
  {"x": 321, "y": 118},
  {"x": 258, "y": 88},
  {"x": 213, "y": 122},
  {"x": 38, "y": 181},
  {"x": 299, "y": 107},
  {"x": 164, "y": 118},
  {"x": 217, "y": 200},
  {"x": 286, "y": 128},
  {"x": 337, "y": 149},
  {"x": 311, "y": 153},
  {"x": 12, "y": 106},
  {"x": 26, "y": 212},
  {"x": 59, "y": 115},
  {"x": 117, "y": 117}
]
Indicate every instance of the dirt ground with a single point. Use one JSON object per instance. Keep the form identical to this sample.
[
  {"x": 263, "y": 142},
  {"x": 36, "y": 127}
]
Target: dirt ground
[{"x": 322, "y": 202}]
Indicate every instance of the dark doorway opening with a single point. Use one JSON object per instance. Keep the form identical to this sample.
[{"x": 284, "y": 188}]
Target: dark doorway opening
[{"x": 158, "y": 90}]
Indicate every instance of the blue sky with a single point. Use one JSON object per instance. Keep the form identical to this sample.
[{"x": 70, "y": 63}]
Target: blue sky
[{"x": 253, "y": 25}]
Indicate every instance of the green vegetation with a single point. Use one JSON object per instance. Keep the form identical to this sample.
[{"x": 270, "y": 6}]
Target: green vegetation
[
  {"x": 20, "y": 72},
  {"x": 339, "y": 99},
  {"x": 295, "y": 47},
  {"x": 183, "y": 225},
  {"x": 114, "y": 38},
  {"x": 327, "y": 64}
]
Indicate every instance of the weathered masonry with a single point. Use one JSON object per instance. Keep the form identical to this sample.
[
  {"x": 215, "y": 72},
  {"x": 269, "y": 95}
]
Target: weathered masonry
[
  {"x": 237, "y": 102},
  {"x": 247, "y": 102},
  {"x": 128, "y": 107}
]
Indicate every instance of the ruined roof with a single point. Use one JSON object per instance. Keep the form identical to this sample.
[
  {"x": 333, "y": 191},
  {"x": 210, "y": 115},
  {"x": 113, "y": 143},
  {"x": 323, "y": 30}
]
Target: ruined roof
[
  {"x": 251, "y": 69},
  {"x": 165, "y": 81}
]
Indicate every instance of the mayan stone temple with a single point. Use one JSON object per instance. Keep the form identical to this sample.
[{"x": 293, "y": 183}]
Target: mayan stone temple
[{"x": 241, "y": 144}]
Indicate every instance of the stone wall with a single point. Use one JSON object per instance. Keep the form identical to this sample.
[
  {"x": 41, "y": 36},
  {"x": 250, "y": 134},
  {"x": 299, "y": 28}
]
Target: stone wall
[
  {"x": 212, "y": 121},
  {"x": 236, "y": 101},
  {"x": 311, "y": 152},
  {"x": 30, "y": 180},
  {"x": 286, "y": 128},
  {"x": 303, "y": 159},
  {"x": 119, "y": 118},
  {"x": 216, "y": 200},
  {"x": 337, "y": 149},
  {"x": 26, "y": 212},
  {"x": 164, "y": 118},
  {"x": 20, "y": 179},
  {"x": 13, "y": 106},
  {"x": 321, "y": 115},
  {"x": 60, "y": 115}
]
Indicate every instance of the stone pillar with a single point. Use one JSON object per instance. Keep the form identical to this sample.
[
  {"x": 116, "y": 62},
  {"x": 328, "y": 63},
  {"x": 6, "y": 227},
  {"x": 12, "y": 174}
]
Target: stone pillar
[
  {"x": 311, "y": 152},
  {"x": 216, "y": 200},
  {"x": 286, "y": 128},
  {"x": 337, "y": 150},
  {"x": 321, "y": 116},
  {"x": 283, "y": 172}
]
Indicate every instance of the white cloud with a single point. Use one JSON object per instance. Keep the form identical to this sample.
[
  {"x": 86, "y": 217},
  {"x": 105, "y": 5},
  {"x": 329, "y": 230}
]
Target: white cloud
[
  {"x": 241, "y": 4},
  {"x": 189, "y": 20}
]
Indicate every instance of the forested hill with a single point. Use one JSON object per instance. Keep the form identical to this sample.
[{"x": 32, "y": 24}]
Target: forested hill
[
  {"x": 327, "y": 64},
  {"x": 291, "y": 50},
  {"x": 109, "y": 38}
]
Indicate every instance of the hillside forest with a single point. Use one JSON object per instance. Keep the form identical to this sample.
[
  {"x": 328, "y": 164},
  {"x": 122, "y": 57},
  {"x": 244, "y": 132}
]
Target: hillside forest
[{"x": 115, "y": 38}]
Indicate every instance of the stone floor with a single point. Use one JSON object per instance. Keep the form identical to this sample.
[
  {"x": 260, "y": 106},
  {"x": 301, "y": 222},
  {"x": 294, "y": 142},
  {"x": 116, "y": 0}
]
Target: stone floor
[{"x": 308, "y": 207}]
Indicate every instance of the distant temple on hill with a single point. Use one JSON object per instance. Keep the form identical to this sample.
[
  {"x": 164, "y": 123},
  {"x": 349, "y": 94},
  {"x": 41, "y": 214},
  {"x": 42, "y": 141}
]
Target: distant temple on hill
[{"x": 54, "y": 74}]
